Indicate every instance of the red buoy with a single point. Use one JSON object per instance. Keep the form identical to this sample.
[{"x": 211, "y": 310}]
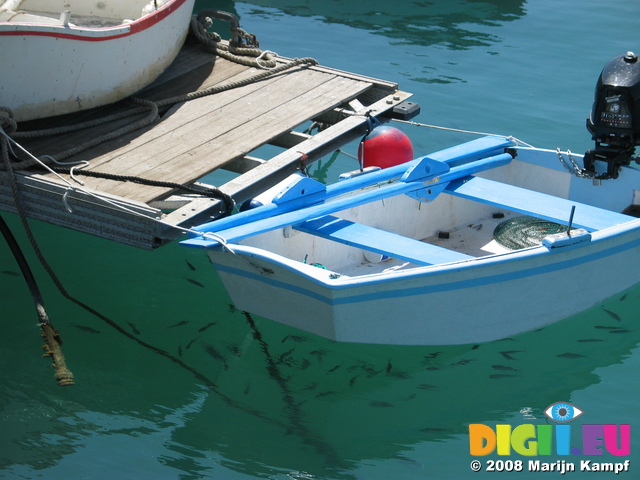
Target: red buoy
[{"x": 385, "y": 147}]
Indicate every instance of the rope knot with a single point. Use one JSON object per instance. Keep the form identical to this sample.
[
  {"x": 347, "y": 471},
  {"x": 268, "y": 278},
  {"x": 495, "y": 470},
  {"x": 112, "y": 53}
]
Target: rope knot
[{"x": 7, "y": 123}]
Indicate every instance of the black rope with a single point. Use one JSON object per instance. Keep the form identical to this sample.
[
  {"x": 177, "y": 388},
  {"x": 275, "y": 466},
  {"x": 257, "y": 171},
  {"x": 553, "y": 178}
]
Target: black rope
[
  {"x": 211, "y": 192},
  {"x": 26, "y": 272}
]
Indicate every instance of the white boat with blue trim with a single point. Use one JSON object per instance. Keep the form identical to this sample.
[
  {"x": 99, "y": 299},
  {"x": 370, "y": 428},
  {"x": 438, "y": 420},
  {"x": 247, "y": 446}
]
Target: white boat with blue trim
[{"x": 414, "y": 254}]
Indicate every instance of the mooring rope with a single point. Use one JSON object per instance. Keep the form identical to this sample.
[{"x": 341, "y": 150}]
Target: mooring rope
[
  {"x": 210, "y": 191},
  {"x": 53, "y": 341},
  {"x": 458, "y": 130},
  {"x": 52, "y": 337},
  {"x": 235, "y": 50},
  {"x": 199, "y": 24}
]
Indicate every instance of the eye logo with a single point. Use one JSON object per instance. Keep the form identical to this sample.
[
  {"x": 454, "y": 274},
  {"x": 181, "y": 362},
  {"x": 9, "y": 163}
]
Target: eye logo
[{"x": 562, "y": 412}]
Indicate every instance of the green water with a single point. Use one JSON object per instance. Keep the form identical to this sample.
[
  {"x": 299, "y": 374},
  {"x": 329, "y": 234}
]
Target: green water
[{"x": 188, "y": 387}]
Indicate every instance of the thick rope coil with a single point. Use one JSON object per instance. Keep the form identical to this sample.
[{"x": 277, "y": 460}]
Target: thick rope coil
[
  {"x": 235, "y": 51},
  {"x": 7, "y": 123},
  {"x": 146, "y": 106}
]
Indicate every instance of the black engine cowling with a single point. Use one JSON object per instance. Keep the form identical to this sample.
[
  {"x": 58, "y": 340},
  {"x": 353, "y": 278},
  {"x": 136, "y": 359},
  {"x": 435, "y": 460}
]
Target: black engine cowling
[{"x": 614, "y": 121}]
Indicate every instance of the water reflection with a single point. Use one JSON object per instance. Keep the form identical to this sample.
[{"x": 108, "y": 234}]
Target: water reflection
[
  {"x": 331, "y": 406},
  {"x": 246, "y": 395},
  {"x": 449, "y": 23}
]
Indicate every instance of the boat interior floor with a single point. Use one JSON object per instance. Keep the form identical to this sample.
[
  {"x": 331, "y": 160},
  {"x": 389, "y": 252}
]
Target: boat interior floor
[{"x": 475, "y": 239}]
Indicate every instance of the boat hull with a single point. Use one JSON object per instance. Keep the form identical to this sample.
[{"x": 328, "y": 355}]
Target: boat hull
[
  {"x": 50, "y": 70},
  {"x": 474, "y": 301}
]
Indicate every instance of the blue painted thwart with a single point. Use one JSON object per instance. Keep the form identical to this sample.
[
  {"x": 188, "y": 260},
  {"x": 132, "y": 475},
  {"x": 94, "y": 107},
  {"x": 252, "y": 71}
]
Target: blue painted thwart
[{"x": 379, "y": 241}]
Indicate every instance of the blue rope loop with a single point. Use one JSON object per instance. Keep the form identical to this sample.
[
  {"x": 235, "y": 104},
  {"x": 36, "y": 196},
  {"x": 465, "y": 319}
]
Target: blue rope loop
[{"x": 372, "y": 122}]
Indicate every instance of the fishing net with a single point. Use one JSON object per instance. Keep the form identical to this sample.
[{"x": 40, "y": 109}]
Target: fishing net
[{"x": 525, "y": 231}]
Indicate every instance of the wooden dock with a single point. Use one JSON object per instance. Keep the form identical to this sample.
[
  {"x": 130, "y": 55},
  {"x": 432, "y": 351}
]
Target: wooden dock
[{"x": 190, "y": 139}]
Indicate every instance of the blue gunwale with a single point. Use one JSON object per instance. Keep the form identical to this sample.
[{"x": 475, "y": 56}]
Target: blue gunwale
[{"x": 237, "y": 232}]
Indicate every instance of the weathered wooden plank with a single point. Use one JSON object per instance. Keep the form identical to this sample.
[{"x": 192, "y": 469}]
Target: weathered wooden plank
[
  {"x": 257, "y": 132},
  {"x": 199, "y": 120},
  {"x": 280, "y": 108},
  {"x": 141, "y": 140},
  {"x": 212, "y": 117},
  {"x": 277, "y": 168}
]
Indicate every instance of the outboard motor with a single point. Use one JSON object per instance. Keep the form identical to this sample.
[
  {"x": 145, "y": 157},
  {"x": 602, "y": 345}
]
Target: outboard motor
[{"x": 614, "y": 121}]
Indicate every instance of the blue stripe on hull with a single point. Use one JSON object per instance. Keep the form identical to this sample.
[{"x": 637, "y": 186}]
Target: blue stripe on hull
[{"x": 443, "y": 287}]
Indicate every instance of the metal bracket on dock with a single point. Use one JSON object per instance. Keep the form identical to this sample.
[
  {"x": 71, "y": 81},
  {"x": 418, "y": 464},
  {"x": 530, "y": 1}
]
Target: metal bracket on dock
[{"x": 405, "y": 111}]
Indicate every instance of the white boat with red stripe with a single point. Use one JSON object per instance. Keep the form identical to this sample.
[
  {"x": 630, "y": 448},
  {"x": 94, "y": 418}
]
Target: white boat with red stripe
[{"x": 63, "y": 56}]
